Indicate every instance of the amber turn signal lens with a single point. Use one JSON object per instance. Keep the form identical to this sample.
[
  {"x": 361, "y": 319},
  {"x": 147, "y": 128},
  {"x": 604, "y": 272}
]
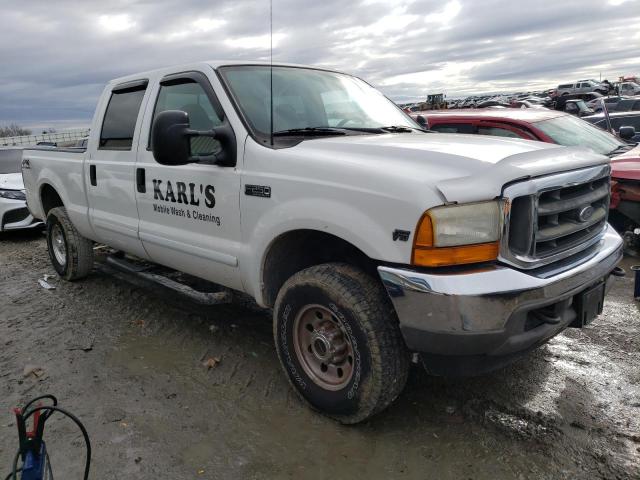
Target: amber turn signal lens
[
  {"x": 424, "y": 234},
  {"x": 443, "y": 256}
]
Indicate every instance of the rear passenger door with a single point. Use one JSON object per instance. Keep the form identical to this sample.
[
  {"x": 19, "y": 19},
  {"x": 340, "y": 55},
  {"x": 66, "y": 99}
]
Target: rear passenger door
[
  {"x": 109, "y": 169},
  {"x": 190, "y": 214}
]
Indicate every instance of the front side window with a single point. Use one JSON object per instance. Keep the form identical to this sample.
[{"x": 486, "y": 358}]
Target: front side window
[
  {"x": 307, "y": 98},
  {"x": 190, "y": 97},
  {"x": 120, "y": 118},
  {"x": 573, "y": 132}
]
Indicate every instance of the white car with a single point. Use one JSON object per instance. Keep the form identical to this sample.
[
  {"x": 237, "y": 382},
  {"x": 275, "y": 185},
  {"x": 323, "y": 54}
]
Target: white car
[
  {"x": 14, "y": 213},
  {"x": 370, "y": 237}
]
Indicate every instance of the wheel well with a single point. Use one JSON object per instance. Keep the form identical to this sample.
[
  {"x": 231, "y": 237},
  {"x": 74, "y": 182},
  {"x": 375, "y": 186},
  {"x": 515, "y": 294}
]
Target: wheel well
[
  {"x": 50, "y": 199},
  {"x": 299, "y": 249}
]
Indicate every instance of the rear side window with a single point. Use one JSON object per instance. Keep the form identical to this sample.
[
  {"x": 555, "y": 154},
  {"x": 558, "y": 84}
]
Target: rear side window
[
  {"x": 120, "y": 118},
  {"x": 566, "y": 86},
  {"x": 497, "y": 132},
  {"x": 453, "y": 128}
]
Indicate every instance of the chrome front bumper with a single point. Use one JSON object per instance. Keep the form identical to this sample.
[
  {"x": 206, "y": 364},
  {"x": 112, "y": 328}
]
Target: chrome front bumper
[{"x": 483, "y": 311}]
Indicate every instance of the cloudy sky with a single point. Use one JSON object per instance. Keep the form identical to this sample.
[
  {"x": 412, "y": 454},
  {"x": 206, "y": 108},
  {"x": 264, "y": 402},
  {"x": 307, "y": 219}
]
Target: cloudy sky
[{"x": 56, "y": 55}]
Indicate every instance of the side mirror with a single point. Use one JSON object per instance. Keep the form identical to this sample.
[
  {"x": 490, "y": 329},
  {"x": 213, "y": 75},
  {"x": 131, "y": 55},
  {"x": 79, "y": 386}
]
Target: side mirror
[
  {"x": 627, "y": 133},
  {"x": 422, "y": 122},
  {"x": 171, "y": 141}
]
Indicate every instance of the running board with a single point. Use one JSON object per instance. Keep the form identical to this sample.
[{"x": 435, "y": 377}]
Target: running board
[{"x": 204, "y": 298}]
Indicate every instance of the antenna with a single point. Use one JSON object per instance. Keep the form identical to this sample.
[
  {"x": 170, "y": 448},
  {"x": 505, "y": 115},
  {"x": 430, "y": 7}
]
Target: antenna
[{"x": 271, "y": 70}]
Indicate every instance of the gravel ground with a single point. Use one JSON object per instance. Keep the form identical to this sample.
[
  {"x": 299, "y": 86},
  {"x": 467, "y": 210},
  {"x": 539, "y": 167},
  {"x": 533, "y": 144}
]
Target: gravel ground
[{"x": 130, "y": 361}]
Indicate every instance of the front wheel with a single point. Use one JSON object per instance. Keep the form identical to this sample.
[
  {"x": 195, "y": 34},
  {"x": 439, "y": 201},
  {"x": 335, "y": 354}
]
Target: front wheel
[
  {"x": 338, "y": 341},
  {"x": 71, "y": 254}
]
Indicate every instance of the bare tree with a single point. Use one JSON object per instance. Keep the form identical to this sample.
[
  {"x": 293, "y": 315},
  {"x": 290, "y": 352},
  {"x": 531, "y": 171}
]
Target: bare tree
[{"x": 13, "y": 130}]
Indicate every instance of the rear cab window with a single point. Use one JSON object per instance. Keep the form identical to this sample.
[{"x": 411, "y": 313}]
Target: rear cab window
[{"x": 121, "y": 116}]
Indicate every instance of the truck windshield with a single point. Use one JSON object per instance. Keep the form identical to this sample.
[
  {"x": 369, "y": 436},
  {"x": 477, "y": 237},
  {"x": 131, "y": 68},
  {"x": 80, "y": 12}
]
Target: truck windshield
[
  {"x": 573, "y": 132},
  {"x": 304, "y": 98}
]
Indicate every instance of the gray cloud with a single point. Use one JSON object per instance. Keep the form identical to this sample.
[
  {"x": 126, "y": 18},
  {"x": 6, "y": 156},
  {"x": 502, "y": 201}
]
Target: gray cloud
[{"x": 55, "y": 60}]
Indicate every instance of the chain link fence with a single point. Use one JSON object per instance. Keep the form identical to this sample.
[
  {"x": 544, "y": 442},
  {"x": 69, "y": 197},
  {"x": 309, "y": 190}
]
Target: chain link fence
[{"x": 54, "y": 137}]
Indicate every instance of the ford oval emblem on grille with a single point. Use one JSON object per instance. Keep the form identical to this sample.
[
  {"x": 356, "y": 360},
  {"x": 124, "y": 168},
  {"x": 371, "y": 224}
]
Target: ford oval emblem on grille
[{"x": 585, "y": 214}]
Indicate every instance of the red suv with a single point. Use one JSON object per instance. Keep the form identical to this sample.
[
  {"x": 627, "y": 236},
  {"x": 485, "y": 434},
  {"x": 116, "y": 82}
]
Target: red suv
[{"x": 555, "y": 127}]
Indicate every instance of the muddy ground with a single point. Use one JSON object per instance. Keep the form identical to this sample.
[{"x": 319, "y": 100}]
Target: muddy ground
[{"x": 128, "y": 360}]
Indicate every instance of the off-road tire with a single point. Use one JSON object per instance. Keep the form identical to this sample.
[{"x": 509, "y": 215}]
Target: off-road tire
[
  {"x": 381, "y": 361},
  {"x": 78, "y": 249}
]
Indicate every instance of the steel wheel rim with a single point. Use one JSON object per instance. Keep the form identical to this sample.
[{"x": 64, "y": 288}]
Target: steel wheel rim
[
  {"x": 323, "y": 347},
  {"x": 58, "y": 245}
]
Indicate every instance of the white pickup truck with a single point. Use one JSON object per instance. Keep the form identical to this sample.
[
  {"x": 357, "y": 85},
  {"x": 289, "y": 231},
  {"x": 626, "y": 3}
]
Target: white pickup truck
[{"x": 371, "y": 238}]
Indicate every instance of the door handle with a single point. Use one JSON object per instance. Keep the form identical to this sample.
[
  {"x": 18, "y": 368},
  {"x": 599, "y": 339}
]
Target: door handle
[
  {"x": 140, "y": 181},
  {"x": 92, "y": 175}
]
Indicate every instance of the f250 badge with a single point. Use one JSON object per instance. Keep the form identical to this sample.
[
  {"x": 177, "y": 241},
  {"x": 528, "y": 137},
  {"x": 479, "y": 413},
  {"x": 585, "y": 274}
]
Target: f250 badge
[{"x": 180, "y": 194}]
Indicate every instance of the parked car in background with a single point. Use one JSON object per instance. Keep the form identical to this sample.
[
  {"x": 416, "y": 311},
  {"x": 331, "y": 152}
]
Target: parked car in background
[
  {"x": 625, "y": 196},
  {"x": 532, "y": 124},
  {"x": 491, "y": 103},
  {"x": 619, "y": 120},
  {"x": 526, "y": 104},
  {"x": 611, "y": 101},
  {"x": 561, "y": 128},
  {"x": 628, "y": 88},
  {"x": 626, "y": 105},
  {"x": 14, "y": 214},
  {"x": 587, "y": 97},
  {"x": 575, "y": 107},
  {"x": 584, "y": 86}
]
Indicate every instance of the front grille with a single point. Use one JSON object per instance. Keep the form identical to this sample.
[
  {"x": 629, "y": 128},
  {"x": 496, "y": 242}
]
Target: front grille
[{"x": 555, "y": 219}]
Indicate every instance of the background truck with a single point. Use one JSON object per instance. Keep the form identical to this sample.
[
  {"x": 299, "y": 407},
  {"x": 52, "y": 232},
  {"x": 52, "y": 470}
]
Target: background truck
[{"x": 370, "y": 238}]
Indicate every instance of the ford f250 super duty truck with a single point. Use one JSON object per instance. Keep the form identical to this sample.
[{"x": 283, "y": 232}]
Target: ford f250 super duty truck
[{"x": 372, "y": 239}]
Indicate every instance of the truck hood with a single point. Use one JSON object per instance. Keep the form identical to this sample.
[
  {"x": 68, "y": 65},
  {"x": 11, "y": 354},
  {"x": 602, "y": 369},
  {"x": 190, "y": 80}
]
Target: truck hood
[
  {"x": 463, "y": 168},
  {"x": 627, "y": 165},
  {"x": 11, "y": 181}
]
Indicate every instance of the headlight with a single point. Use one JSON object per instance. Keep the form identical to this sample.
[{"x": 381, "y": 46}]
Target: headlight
[
  {"x": 458, "y": 234},
  {"x": 13, "y": 194}
]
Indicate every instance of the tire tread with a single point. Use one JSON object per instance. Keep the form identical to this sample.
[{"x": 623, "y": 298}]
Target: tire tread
[
  {"x": 368, "y": 300},
  {"x": 80, "y": 249}
]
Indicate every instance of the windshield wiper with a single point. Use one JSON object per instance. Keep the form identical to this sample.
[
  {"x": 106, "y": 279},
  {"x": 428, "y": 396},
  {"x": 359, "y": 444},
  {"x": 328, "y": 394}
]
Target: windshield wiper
[
  {"x": 619, "y": 149},
  {"x": 402, "y": 129},
  {"x": 319, "y": 131}
]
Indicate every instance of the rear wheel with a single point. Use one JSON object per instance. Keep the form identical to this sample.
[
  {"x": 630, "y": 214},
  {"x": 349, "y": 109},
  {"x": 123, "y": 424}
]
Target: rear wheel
[
  {"x": 338, "y": 341},
  {"x": 71, "y": 254}
]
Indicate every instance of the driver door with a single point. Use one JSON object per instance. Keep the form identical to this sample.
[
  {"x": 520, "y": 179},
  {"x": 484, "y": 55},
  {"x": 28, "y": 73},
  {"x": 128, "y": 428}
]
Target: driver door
[{"x": 190, "y": 214}]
